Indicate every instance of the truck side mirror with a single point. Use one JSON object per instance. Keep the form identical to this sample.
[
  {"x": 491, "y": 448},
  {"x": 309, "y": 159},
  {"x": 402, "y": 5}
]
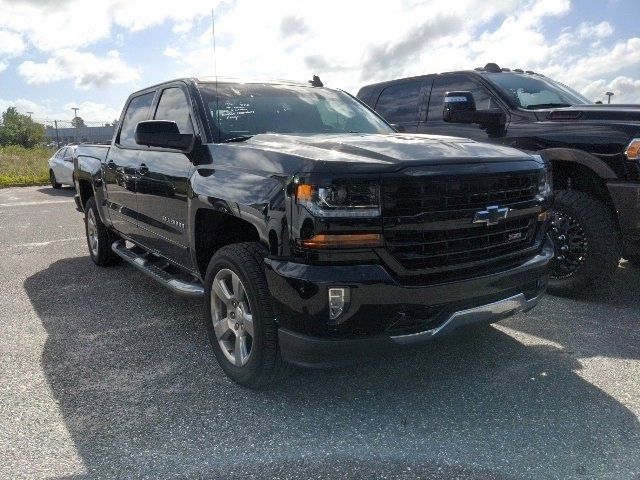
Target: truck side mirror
[
  {"x": 163, "y": 134},
  {"x": 459, "y": 107}
]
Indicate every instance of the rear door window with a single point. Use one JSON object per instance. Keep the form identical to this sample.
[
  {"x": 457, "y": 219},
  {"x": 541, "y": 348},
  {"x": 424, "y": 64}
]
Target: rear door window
[
  {"x": 137, "y": 111},
  {"x": 400, "y": 103},
  {"x": 173, "y": 106}
]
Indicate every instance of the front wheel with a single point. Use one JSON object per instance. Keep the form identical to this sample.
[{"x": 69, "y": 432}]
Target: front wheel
[
  {"x": 587, "y": 247},
  {"x": 239, "y": 316}
]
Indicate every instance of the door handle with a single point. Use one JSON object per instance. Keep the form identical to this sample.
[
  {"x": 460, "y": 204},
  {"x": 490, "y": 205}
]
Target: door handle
[
  {"x": 111, "y": 164},
  {"x": 143, "y": 170}
]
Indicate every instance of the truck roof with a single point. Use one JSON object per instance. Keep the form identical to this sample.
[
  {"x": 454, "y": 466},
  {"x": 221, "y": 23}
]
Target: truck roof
[
  {"x": 212, "y": 79},
  {"x": 488, "y": 68}
]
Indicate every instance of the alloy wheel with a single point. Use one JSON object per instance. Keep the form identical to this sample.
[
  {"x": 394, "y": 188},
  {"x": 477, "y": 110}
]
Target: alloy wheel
[
  {"x": 570, "y": 243},
  {"x": 92, "y": 232},
  {"x": 231, "y": 316}
]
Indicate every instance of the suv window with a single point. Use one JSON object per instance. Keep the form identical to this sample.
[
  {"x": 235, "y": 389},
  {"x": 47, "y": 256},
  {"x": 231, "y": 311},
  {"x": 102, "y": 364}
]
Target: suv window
[
  {"x": 399, "y": 103},
  {"x": 173, "y": 106},
  {"x": 482, "y": 96},
  {"x": 60, "y": 153},
  {"x": 137, "y": 111}
]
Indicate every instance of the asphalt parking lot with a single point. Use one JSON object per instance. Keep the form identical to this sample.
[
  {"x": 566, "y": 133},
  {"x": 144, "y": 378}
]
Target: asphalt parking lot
[{"x": 105, "y": 374}]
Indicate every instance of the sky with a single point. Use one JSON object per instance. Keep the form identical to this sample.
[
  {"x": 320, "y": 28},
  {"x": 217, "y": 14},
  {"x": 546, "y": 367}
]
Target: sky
[{"x": 91, "y": 54}]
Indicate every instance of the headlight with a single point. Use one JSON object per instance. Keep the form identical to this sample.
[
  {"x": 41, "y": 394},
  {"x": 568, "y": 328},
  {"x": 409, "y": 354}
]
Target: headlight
[
  {"x": 632, "y": 151},
  {"x": 545, "y": 183},
  {"x": 340, "y": 200}
]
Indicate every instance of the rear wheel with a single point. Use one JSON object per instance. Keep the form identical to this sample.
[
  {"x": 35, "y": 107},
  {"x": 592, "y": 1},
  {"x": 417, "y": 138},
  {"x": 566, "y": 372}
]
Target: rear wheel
[
  {"x": 239, "y": 316},
  {"x": 52, "y": 179},
  {"x": 99, "y": 239},
  {"x": 587, "y": 247}
]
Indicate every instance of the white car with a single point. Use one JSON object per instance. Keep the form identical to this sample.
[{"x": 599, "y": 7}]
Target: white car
[{"x": 61, "y": 167}]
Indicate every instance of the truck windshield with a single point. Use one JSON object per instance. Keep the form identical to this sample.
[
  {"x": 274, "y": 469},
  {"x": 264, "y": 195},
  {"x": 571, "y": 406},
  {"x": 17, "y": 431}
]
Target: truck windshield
[
  {"x": 241, "y": 110},
  {"x": 535, "y": 92}
]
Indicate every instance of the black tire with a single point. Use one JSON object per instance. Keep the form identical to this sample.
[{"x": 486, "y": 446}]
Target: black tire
[
  {"x": 264, "y": 365},
  {"x": 54, "y": 182},
  {"x": 595, "y": 249},
  {"x": 100, "y": 251}
]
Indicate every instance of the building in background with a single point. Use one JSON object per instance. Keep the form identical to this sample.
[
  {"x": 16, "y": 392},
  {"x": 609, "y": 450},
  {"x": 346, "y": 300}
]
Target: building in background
[{"x": 66, "y": 133}]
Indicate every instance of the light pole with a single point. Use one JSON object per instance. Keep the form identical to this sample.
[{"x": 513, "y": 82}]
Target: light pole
[
  {"x": 609, "y": 95},
  {"x": 75, "y": 120}
]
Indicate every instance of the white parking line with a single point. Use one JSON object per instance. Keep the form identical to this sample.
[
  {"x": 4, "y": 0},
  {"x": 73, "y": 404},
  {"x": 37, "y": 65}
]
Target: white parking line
[
  {"x": 26, "y": 204},
  {"x": 43, "y": 244}
]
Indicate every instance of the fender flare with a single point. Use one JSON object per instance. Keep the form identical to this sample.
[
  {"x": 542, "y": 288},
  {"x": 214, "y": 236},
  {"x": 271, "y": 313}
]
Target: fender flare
[{"x": 581, "y": 157}]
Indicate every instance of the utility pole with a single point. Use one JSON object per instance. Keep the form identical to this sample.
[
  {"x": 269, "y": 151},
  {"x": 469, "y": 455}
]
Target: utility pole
[
  {"x": 55, "y": 122},
  {"x": 609, "y": 95},
  {"x": 75, "y": 120},
  {"x": 29, "y": 113}
]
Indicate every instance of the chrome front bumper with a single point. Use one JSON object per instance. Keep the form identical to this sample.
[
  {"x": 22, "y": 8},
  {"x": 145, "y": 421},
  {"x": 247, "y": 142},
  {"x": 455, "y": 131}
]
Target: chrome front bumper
[{"x": 489, "y": 313}]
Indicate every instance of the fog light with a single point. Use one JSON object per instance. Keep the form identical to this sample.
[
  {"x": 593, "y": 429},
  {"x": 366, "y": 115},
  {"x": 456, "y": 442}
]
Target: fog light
[{"x": 338, "y": 301}]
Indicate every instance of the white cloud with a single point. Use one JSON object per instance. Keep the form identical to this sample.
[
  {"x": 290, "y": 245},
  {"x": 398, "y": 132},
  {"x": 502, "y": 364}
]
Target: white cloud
[
  {"x": 76, "y": 23},
  {"x": 626, "y": 90},
  {"x": 49, "y": 110},
  {"x": 595, "y": 31},
  {"x": 579, "y": 72},
  {"x": 85, "y": 69},
  {"x": 11, "y": 45},
  {"x": 289, "y": 39}
]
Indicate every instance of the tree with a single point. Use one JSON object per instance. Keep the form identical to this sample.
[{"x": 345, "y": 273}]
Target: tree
[
  {"x": 20, "y": 129},
  {"x": 78, "y": 122}
]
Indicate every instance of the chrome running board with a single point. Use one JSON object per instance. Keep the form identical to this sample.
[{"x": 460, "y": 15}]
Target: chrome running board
[{"x": 156, "y": 268}]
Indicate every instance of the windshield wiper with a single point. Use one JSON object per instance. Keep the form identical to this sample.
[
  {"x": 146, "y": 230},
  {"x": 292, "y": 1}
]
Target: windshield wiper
[
  {"x": 239, "y": 138},
  {"x": 547, "y": 105}
]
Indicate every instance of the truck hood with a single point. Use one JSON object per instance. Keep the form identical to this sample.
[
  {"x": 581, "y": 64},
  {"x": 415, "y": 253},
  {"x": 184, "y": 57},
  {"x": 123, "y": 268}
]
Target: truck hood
[
  {"x": 382, "y": 152},
  {"x": 603, "y": 113}
]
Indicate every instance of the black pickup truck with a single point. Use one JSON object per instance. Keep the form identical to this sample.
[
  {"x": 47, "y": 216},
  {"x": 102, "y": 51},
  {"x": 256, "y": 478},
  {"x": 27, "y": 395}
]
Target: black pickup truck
[
  {"x": 593, "y": 150},
  {"x": 313, "y": 232}
]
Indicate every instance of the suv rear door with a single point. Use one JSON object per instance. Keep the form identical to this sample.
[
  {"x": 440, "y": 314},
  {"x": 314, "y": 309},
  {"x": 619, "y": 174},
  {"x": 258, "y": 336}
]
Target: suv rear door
[{"x": 163, "y": 183}]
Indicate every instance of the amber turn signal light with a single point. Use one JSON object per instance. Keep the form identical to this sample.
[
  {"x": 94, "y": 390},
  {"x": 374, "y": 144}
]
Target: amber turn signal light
[
  {"x": 633, "y": 149},
  {"x": 544, "y": 216},
  {"x": 343, "y": 241},
  {"x": 304, "y": 192}
]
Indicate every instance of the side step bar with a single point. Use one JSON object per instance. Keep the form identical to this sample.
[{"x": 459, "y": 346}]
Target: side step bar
[{"x": 155, "y": 268}]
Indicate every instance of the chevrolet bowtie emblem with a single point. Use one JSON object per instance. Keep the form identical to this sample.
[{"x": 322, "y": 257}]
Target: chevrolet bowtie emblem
[{"x": 491, "y": 216}]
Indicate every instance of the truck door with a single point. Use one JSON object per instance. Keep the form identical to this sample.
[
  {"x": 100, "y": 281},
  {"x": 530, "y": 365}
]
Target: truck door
[
  {"x": 456, "y": 82},
  {"x": 403, "y": 104},
  {"x": 163, "y": 183},
  {"x": 121, "y": 167}
]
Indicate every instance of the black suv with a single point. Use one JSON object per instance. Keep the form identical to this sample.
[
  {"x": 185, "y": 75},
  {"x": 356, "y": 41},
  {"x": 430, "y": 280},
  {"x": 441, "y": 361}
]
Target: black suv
[
  {"x": 309, "y": 228},
  {"x": 593, "y": 150}
]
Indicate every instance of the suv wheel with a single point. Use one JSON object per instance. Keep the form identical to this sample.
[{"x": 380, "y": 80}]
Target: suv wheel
[
  {"x": 587, "y": 247},
  {"x": 54, "y": 182},
  {"x": 239, "y": 316},
  {"x": 99, "y": 239}
]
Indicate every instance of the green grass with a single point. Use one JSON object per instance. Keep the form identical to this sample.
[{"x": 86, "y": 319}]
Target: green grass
[{"x": 21, "y": 166}]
